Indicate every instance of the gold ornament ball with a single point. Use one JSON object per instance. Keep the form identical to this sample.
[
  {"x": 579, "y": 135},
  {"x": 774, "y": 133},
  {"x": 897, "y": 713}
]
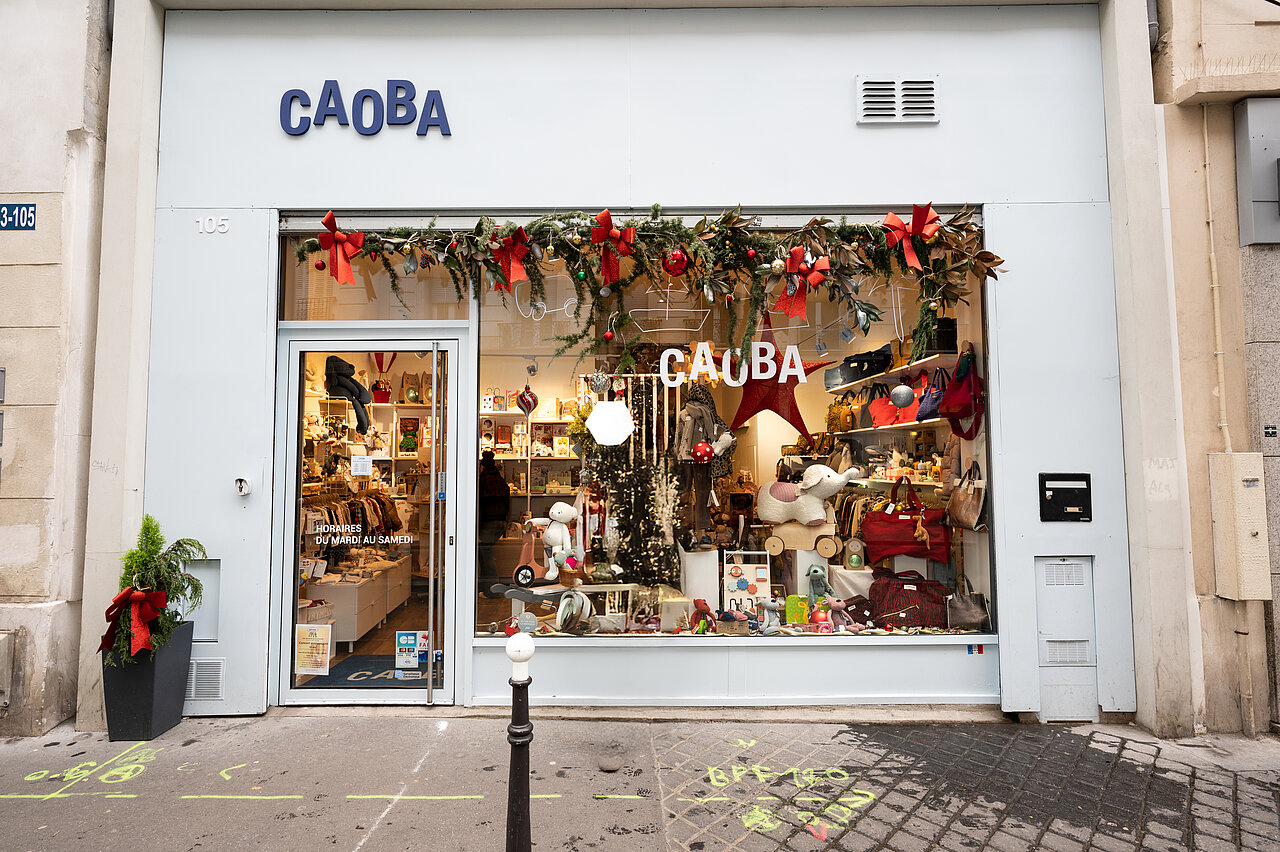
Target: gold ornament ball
[
  {"x": 778, "y": 267},
  {"x": 933, "y": 306},
  {"x": 576, "y": 239},
  {"x": 550, "y": 252}
]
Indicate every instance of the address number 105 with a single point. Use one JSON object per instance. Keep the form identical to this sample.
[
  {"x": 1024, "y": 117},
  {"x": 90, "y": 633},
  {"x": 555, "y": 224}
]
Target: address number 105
[{"x": 213, "y": 224}]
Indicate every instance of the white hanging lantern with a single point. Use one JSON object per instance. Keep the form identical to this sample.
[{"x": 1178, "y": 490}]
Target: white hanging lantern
[{"x": 610, "y": 422}]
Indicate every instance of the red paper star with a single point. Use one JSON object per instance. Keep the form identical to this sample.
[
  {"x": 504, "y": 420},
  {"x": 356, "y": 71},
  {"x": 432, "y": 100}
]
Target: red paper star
[{"x": 770, "y": 394}]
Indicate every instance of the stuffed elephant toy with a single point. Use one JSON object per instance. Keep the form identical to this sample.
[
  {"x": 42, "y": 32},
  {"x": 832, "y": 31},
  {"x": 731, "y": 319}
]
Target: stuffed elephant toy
[{"x": 804, "y": 501}]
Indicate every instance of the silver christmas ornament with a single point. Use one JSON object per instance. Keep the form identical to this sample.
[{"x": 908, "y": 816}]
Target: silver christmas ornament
[
  {"x": 902, "y": 396},
  {"x": 599, "y": 381},
  {"x": 605, "y": 292}
]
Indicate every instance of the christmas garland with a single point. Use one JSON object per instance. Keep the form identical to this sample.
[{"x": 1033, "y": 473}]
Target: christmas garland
[{"x": 726, "y": 261}]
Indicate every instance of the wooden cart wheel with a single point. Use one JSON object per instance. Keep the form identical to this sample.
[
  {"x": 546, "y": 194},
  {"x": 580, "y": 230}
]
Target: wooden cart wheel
[
  {"x": 827, "y": 546},
  {"x": 774, "y": 545},
  {"x": 524, "y": 576}
]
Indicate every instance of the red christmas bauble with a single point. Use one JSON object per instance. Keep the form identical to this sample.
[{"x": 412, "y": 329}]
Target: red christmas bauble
[
  {"x": 608, "y": 336},
  {"x": 320, "y": 265},
  {"x": 702, "y": 452},
  {"x": 675, "y": 262},
  {"x": 751, "y": 253},
  {"x": 453, "y": 245}
]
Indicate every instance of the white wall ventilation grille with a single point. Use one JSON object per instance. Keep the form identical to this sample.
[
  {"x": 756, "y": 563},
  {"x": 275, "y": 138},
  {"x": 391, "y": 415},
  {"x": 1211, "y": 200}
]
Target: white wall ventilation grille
[
  {"x": 1064, "y": 574},
  {"x": 1067, "y": 652},
  {"x": 886, "y": 100},
  {"x": 204, "y": 679}
]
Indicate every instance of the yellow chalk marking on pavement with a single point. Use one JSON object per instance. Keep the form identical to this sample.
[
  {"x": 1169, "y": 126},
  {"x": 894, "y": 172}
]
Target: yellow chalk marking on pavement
[
  {"x": 545, "y": 796},
  {"x": 616, "y": 796},
  {"x": 109, "y": 795},
  {"x": 240, "y": 797},
  {"x": 708, "y": 799},
  {"x": 420, "y": 798},
  {"x": 224, "y": 772},
  {"x": 59, "y": 792}
]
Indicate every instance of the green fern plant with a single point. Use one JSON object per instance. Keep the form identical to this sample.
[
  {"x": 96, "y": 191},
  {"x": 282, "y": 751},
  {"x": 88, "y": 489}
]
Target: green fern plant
[{"x": 152, "y": 565}]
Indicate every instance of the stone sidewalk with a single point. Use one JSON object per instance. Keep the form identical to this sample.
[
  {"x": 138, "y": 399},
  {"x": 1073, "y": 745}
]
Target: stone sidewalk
[{"x": 291, "y": 781}]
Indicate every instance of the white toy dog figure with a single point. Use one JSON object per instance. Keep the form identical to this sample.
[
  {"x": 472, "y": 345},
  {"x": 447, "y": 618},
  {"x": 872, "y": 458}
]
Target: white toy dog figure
[
  {"x": 804, "y": 501},
  {"x": 556, "y": 536}
]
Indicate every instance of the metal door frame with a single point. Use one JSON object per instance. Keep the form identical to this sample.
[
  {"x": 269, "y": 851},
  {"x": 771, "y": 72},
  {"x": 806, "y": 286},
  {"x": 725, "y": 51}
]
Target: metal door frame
[{"x": 292, "y": 341}]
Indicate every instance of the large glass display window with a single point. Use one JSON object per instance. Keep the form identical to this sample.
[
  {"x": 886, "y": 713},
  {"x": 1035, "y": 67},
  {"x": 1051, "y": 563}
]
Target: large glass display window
[{"x": 666, "y": 473}]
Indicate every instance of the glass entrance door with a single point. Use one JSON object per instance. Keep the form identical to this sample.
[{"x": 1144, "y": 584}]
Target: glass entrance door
[{"x": 369, "y": 538}]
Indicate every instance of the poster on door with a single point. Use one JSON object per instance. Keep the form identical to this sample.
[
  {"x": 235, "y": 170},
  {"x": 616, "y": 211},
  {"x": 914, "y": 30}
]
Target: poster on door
[{"x": 311, "y": 649}]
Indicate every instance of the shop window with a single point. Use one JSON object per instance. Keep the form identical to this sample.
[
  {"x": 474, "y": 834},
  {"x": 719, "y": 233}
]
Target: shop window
[
  {"x": 667, "y": 533},
  {"x": 312, "y": 293}
]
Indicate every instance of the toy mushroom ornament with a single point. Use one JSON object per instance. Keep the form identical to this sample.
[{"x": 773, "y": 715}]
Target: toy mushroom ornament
[{"x": 702, "y": 452}]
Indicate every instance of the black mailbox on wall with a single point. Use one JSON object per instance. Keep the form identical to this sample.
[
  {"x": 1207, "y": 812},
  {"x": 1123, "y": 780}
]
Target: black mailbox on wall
[{"x": 1066, "y": 497}]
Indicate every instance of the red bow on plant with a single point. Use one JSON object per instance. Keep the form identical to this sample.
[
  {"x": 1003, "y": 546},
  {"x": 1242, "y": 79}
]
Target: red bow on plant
[
  {"x": 342, "y": 247},
  {"x": 510, "y": 255},
  {"x": 143, "y": 608},
  {"x": 797, "y": 304},
  {"x": 924, "y": 223},
  {"x": 617, "y": 245}
]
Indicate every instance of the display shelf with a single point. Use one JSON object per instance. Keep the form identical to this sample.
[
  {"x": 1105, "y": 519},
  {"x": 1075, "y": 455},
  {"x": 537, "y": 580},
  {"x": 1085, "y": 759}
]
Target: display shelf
[
  {"x": 897, "y": 427},
  {"x": 516, "y": 413},
  {"x": 922, "y": 483},
  {"x": 929, "y": 363}
]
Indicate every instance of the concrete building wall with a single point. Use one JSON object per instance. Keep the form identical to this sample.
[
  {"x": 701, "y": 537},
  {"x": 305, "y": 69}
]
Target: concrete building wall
[
  {"x": 1209, "y": 56},
  {"x": 55, "y": 104}
]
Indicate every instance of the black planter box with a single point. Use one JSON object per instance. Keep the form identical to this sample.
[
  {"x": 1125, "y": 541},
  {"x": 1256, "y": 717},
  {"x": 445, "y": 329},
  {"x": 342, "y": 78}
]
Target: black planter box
[{"x": 144, "y": 698}]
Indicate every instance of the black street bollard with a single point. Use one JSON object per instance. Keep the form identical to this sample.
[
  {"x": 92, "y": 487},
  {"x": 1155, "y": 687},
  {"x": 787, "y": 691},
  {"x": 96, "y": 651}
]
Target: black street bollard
[{"x": 519, "y": 734}]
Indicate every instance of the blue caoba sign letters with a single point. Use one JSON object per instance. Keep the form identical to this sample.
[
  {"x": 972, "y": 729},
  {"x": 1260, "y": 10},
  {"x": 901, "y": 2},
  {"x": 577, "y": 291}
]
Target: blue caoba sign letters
[{"x": 399, "y": 108}]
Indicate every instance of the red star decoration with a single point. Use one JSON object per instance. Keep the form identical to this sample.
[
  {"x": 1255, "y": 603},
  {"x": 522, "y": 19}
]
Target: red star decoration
[{"x": 770, "y": 394}]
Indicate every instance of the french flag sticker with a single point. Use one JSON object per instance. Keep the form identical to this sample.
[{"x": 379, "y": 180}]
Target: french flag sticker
[{"x": 975, "y": 649}]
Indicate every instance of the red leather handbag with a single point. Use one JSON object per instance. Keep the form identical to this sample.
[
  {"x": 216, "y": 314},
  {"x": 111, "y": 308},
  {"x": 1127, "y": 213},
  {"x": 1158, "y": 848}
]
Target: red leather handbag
[
  {"x": 909, "y": 530},
  {"x": 907, "y": 600},
  {"x": 965, "y": 396},
  {"x": 882, "y": 410}
]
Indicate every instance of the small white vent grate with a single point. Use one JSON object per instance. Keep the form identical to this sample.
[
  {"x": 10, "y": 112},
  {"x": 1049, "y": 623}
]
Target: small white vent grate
[
  {"x": 1064, "y": 574},
  {"x": 1067, "y": 651},
  {"x": 204, "y": 680},
  {"x": 885, "y": 100}
]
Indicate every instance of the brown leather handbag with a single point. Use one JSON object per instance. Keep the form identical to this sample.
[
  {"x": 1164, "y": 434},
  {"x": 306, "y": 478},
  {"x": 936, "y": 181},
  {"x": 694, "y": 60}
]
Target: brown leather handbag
[{"x": 967, "y": 504}]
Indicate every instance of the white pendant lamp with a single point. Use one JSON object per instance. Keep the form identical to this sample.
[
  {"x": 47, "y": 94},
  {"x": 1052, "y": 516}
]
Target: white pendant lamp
[{"x": 610, "y": 422}]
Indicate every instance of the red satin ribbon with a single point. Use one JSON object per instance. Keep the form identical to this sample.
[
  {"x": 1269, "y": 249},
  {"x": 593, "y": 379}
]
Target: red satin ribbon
[
  {"x": 796, "y": 305},
  {"x": 616, "y": 245},
  {"x": 342, "y": 247},
  {"x": 143, "y": 608},
  {"x": 510, "y": 256},
  {"x": 924, "y": 223}
]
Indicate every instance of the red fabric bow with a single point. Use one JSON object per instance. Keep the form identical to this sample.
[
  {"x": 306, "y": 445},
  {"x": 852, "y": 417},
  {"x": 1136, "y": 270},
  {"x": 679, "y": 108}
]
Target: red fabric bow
[
  {"x": 617, "y": 245},
  {"x": 796, "y": 305},
  {"x": 924, "y": 223},
  {"x": 342, "y": 247},
  {"x": 143, "y": 608},
  {"x": 510, "y": 256}
]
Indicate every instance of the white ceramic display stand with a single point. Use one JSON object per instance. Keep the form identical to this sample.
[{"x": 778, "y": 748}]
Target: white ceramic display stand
[{"x": 700, "y": 575}]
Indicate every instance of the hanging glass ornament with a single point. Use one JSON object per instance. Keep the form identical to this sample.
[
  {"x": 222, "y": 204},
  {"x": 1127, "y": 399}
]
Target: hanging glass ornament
[
  {"x": 605, "y": 292},
  {"x": 388, "y": 246},
  {"x": 778, "y": 267},
  {"x": 599, "y": 381},
  {"x": 550, "y": 252},
  {"x": 675, "y": 263},
  {"x": 527, "y": 400},
  {"x": 410, "y": 264},
  {"x": 320, "y": 265},
  {"x": 902, "y": 396}
]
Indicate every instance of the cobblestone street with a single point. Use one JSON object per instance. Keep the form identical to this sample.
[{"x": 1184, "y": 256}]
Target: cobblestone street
[{"x": 952, "y": 787}]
